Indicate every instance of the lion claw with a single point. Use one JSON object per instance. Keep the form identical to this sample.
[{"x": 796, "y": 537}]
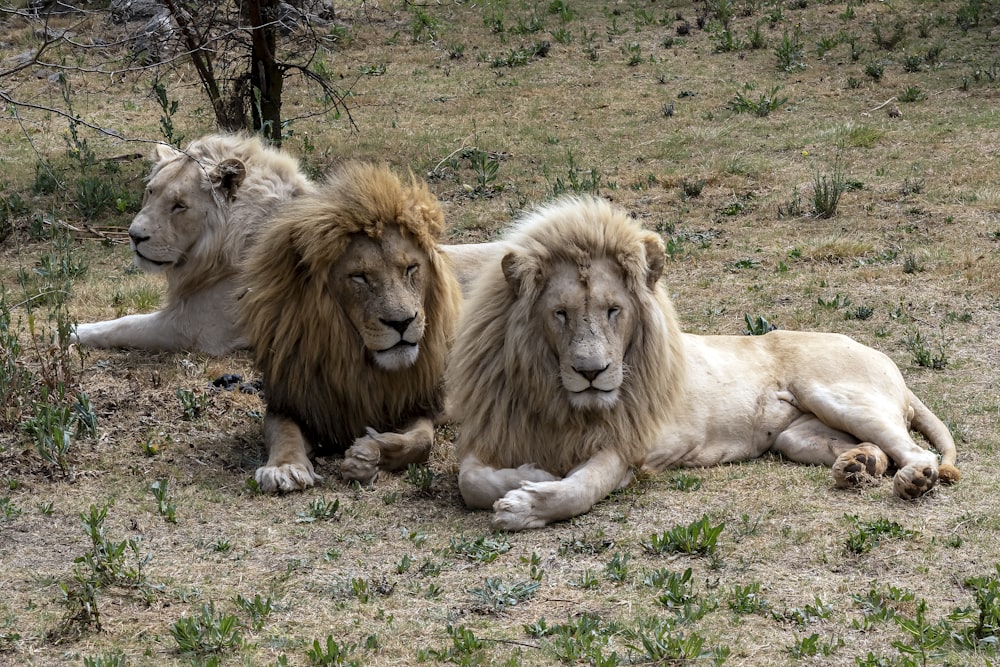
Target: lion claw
[
  {"x": 361, "y": 461},
  {"x": 287, "y": 477},
  {"x": 515, "y": 511}
]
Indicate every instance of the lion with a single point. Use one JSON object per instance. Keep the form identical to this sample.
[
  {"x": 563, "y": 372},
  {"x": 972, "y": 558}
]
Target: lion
[
  {"x": 350, "y": 309},
  {"x": 570, "y": 373},
  {"x": 202, "y": 208}
]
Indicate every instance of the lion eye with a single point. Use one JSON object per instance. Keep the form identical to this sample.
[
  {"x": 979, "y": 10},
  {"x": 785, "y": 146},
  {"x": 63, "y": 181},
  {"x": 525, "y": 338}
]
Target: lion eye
[
  {"x": 359, "y": 278},
  {"x": 178, "y": 207},
  {"x": 561, "y": 316},
  {"x": 613, "y": 311},
  {"x": 411, "y": 270}
]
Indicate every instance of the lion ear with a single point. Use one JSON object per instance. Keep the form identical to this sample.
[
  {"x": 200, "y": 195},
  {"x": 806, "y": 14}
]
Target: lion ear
[
  {"x": 228, "y": 175},
  {"x": 655, "y": 259},
  {"x": 162, "y": 152},
  {"x": 511, "y": 271}
]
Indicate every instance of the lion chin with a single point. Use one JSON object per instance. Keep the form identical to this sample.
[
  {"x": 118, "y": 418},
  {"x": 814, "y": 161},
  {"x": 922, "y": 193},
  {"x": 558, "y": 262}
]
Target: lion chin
[
  {"x": 399, "y": 357},
  {"x": 593, "y": 399}
]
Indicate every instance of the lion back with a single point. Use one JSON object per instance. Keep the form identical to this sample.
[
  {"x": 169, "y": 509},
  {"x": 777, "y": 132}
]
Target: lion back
[
  {"x": 313, "y": 362},
  {"x": 502, "y": 379}
]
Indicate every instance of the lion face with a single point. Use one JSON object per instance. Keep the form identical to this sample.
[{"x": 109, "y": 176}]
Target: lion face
[
  {"x": 181, "y": 200},
  {"x": 588, "y": 318},
  {"x": 381, "y": 285}
]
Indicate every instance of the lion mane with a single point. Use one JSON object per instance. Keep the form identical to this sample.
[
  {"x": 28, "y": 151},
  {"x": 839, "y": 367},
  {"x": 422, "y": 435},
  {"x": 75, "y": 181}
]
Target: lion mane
[
  {"x": 316, "y": 369},
  {"x": 501, "y": 365}
]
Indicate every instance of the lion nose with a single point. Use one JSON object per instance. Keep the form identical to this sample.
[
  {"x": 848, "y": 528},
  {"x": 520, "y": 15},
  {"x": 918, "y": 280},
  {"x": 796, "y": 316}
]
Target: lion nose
[
  {"x": 591, "y": 375},
  {"x": 399, "y": 325},
  {"x": 137, "y": 238}
]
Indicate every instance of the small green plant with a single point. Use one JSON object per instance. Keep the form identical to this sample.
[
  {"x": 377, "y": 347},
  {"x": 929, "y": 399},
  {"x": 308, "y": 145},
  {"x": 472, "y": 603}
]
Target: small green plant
[
  {"x": 698, "y": 538},
  {"x": 747, "y": 599},
  {"x": 495, "y": 595},
  {"x": 984, "y": 632},
  {"x": 578, "y": 180},
  {"x": 866, "y": 535},
  {"x": 111, "y": 659},
  {"x": 888, "y": 38},
  {"x": 420, "y": 476},
  {"x": 617, "y": 567},
  {"x": 880, "y": 605},
  {"x": 837, "y": 302},
  {"x": 762, "y": 106},
  {"x": 193, "y": 405},
  {"x": 332, "y": 653},
  {"x": 534, "y": 562},
  {"x": 485, "y": 166},
  {"x": 586, "y": 581},
  {"x": 423, "y": 27},
  {"x": 8, "y": 510},
  {"x": 756, "y": 326},
  {"x": 464, "y": 649},
  {"x": 923, "y": 355},
  {"x": 676, "y": 590},
  {"x": 912, "y": 94},
  {"x": 657, "y": 641},
  {"x": 807, "y": 647},
  {"x": 319, "y": 509},
  {"x": 164, "y": 503},
  {"x": 168, "y": 108},
  {"x": 485, "y": 549},
  {"x": 633, "y": 53},
  {"x": 874, "y": 69},
  {"x": 790, "y": 50},
  {"x": 258, "y": 609},
  {"x": 859, "y": 313},
  {"x": 207, "y": 633},
  {"x": 806, "y": 615},
  {"x": 682, "y": 481},
  {"x": 827, "y": 189}
]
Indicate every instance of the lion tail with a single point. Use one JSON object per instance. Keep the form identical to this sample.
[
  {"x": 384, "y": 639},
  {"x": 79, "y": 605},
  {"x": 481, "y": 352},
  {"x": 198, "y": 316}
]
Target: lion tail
[{"x": 926, "y": 422}]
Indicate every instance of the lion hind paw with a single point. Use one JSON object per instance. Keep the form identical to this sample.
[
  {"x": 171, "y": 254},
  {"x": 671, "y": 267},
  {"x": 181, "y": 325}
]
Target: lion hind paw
[
  {"x": 361, "y": 461},
  {"x": 862, "y": 465},
  {"x": 285, "y": 478},
  {"x": 914, "y": 480}
]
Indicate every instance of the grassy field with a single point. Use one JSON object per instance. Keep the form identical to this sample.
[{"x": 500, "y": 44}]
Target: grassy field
[{"x": 818, "y": 165}]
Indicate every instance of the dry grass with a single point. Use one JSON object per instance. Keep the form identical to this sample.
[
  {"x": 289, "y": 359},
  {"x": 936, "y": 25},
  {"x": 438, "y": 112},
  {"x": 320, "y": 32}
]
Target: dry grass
[{"x": 391, "y": 572}]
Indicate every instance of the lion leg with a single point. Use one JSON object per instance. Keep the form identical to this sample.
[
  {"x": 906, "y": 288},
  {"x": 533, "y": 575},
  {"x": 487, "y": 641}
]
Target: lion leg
[
  {"x": 288, "y": 466},
  {"x": 482, "y": 485},
  {"x": 808, "y": 440},
  {"x": 536, "y": 504},
  {"x": 148, "y": 331},
  {"x": 861, "y": 465},
  {"x": 387, "y": 451}
]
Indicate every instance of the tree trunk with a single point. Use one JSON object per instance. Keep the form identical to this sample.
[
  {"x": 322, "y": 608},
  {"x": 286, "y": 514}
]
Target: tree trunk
[{"x": 266, "y": 75}]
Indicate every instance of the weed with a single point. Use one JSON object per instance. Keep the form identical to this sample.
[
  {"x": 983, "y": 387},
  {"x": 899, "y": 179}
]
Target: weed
[
  {"x": 874, "y": 69},
  {"x": 420, "y": 476},
  {"x": 633, "y": 53},
  {"x": 912, "y": 63},
  {"x": 969, "y": 15},
  {"x": 112, "y": 659},
  {"x": 827, "y": 190},
  {"x": 332, "y": 654},
  {"x": 578, "y": 181},
  {"x": 793, "y": 208},
  {"x": 656, "y": 640},
  {"x": 258, "y": 608},
  {"x": 926, "y": 638},
  {"x": 677, "y": 590},
  {"x": 423, "y": 27},
  {"x": 617, "y": 567},
  {"x": 880, "y": 605},
  {"x": 164, "y": 503},
  {"x": 698, "y": 538},
  {"x": 534, "y": 562},
  {"x": 692, "y": 187},
  {"x": 756, "y": 326},
  {"x": 923, "y": 356},
  {"x": 168, "y": 108},
  {"x": 866, "y": 535},
  {"x": 985, "y": 614},
  {"x": 207, "y": 633},
  {"x": 463, "y": 650},
  {"x": 495, "y": 595},
  {"x": 319, "y": 510},
  {"x": 682, "y": 481},
  {"x": 586, "y": 581},
  {"x": 762, "y": 106},
  {"x": 485, "y": 167},
  {"x": 859, "y": 313},
  {"x": 805, "y": 647},
  {"x": 193, "y": 405},
  {"x": 805, "y": 615},
  {"x": 747, "y": 599},
  {"x": 789, "y": 51},
  {"x": 838, "y": 301},
  {"x": 8, "y": 510},
  {"x": 912, "y": 94},
  {"x": 485, "y": 549}
]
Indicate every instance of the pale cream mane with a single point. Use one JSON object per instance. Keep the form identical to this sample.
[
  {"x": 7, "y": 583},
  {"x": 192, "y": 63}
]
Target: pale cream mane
[
  {"x": 313, "y": 360},
  {"x": 503, "y": 379},
  {"x": 272, "y": 177}
]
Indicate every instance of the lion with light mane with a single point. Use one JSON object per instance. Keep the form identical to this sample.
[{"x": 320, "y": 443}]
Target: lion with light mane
[
  {"x": 202, "y": 208},
  {"x": 351, "y": 308},
  {"x": 570, "y": 373}
]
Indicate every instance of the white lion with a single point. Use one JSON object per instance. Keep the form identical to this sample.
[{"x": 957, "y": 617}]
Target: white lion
[
  {"x": 570, "y": 372},
  {"x": 203, "y": 207}
]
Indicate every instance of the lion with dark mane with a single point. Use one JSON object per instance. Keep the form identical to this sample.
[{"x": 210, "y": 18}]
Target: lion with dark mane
[
  {"x": 202, "y": 208},
  {"x": 351, "y": 308},
  {"x": 570, "y": 373}
]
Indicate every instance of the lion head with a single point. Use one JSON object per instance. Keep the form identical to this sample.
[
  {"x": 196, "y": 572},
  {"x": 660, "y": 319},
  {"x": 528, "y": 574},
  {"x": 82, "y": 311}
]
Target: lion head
[
  {"x": 351, "y": 307},
  {"x": 202, "y": 205},
  {"x": 566, "y": 337}
]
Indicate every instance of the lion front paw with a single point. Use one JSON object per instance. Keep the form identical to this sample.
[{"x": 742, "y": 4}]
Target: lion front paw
[
  {"x": 914, "y": 480},
  {"x": 516, "y": 510},
  {"x": 862, "y": 465},
  {"x": 361, "y": 461},
  {"x": 287, "y": 477}
]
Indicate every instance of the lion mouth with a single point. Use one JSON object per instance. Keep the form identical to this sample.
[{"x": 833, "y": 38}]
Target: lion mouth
[{"x": 151, "y": 261}]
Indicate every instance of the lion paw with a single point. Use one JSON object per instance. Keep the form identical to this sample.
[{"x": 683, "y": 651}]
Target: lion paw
[
  {"x": 287, "y": 477},
  {"x": 361, "y": 461},
  {"x": 862, "y": 465},
  {"x": 914, "y": 480},
  {"x": 515, "y": 511}
]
